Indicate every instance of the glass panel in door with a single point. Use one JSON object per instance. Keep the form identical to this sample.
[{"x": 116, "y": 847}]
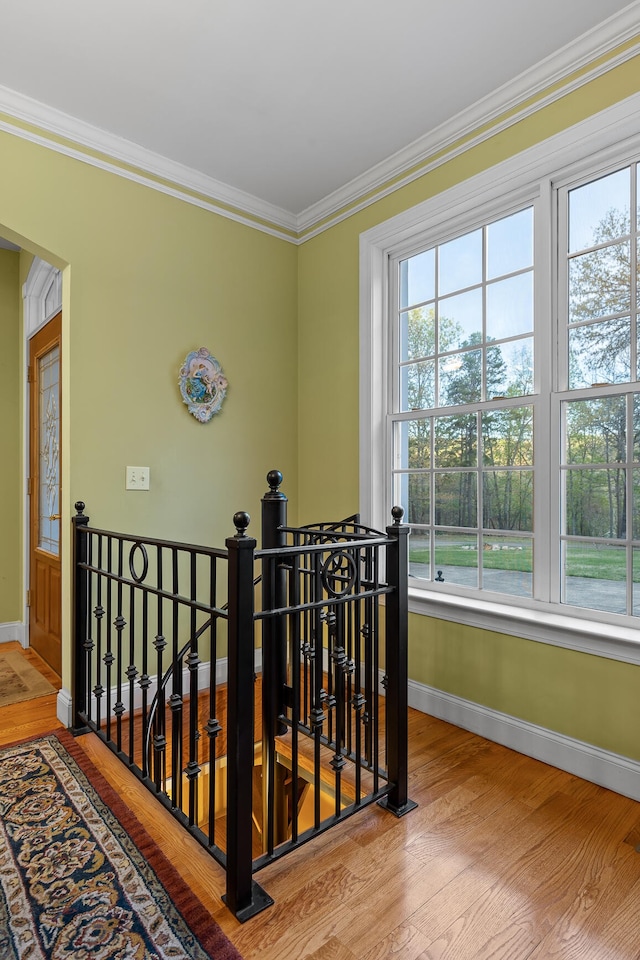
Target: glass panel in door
[{"x": 49, "y": 453}]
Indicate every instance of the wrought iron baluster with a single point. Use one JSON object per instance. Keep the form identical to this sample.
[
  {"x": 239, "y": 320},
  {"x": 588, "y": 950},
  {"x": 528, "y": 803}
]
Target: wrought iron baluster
[
  {"x": 213, "y": 727},
  {"x": 159, "y": 720},
  {"x": 108, "y": 656},
  {"x": 356, "y": 700},
  {"x": 89, "y": 644},
  {"x": 119, "y": 623},
  {"x": 317, "y": 713},
  {"x": 375, "y": 666},
  {"x": 329, "y": 633},
  {"x": 294, "y": 639},
  {"x": 350, "y": 668},
  {"x": 367, "y": 644},
  {"x": 192, "y": 769},
  {"x": 145, "y": 681},
  {"x": 307, "y": 645},
  {"x": 336, "y": 668},
  {"x": 98, "y": 689},
  {"x": 132, "y": 672},
  {"x": 175, "y": 700}
]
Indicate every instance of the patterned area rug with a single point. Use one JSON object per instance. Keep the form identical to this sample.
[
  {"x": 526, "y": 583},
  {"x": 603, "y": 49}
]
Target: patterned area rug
[
  {"x": 19, "y": 680},
  {"x": 73, "y": 883}
]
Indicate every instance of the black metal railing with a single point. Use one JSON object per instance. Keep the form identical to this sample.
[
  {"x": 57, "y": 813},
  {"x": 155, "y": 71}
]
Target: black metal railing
[
  {"x": 150, "y": 621},
  {"x": 254, "y": 715}
]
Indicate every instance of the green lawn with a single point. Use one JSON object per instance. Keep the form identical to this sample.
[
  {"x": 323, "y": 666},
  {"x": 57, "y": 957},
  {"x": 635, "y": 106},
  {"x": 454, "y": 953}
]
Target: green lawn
[
  {"x": 598, "y": 562},
  {"x": 453, "y": 555}
]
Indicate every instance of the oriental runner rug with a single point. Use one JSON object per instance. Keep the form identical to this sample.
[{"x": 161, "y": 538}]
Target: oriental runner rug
[
  {"x": 79, "y": 877},
  {"x": 19, "y": 680}
]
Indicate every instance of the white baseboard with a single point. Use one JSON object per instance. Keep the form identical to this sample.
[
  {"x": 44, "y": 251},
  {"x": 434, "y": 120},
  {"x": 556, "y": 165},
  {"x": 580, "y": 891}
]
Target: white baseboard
[
  {"x": 64, "y": 707},
  {"x": 13, "y": 631},
  {"x": 610, "y": 770}
]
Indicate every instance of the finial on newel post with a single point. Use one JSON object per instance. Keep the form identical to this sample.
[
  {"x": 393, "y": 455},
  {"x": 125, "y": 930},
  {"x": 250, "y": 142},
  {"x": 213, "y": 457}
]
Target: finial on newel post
[
  {"x": 397, "y": 513},
  {"x": 241, "y": 521},
  {"x": 274, "y": 479},
  {"x": 80, "y": 518},
  {"x": 274, "y": 512}
]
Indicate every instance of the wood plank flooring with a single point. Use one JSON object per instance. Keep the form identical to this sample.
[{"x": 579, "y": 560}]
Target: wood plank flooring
[{"x": 504, "y": 859}]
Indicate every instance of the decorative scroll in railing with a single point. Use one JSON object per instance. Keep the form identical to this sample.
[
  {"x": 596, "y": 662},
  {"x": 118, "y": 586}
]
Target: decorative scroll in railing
[{"x": 167, "y": 671}]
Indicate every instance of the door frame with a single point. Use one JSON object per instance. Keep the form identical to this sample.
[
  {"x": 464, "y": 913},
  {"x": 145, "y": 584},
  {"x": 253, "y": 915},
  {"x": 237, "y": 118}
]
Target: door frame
[{"x": 42, "y": 299}]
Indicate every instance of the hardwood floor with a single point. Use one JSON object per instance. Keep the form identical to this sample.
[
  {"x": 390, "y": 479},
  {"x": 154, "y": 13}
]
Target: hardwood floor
[
  {"x": 504, "y": 859},
  {"x": 21, "y": 720}
]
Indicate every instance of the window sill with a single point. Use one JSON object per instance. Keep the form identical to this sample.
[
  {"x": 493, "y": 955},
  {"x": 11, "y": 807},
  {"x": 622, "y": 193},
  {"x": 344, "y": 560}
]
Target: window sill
[{"x": 543, "y": 623}]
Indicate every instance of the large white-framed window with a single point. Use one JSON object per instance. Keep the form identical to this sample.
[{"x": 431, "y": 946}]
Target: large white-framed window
[
  {"x": 598, "y": 397},
  {"x": 500, "y": 390},
  {"x": 462, "y": 401}
]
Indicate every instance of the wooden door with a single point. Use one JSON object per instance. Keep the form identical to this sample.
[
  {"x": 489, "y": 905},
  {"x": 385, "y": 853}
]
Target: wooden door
[{"x": 45, "y": 596}]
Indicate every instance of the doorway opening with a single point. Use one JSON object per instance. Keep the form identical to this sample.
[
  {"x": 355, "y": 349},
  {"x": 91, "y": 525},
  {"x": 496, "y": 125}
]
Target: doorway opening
[{"x": 43, "y": 515}]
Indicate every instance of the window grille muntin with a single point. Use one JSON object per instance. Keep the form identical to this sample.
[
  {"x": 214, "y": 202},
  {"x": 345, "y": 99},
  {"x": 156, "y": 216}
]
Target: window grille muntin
[
  {"x": 447, "y": 500},
  {"x": 605, "y": 143}
]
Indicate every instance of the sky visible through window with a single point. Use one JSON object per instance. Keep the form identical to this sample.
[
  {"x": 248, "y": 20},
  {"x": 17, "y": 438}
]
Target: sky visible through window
[
  {"x": 509, "y": 249},
  {"x": 455, "y": 299},
  {"x": 589, "y": 206}
]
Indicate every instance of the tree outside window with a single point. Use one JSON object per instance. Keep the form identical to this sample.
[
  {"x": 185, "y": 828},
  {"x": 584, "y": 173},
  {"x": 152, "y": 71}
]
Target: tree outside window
[{"x": 464, "y": 421}]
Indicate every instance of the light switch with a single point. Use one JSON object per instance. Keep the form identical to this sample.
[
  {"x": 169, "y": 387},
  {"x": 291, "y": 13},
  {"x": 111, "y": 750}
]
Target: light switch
[{"x": 137, "y": 478}]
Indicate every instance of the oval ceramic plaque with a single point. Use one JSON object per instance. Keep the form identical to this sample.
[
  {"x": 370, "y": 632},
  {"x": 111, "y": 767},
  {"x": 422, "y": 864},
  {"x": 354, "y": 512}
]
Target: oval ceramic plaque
[{"x": 203, "y": 386}]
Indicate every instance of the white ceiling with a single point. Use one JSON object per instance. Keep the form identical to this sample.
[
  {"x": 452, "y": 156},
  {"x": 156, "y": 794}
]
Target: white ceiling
[{"x": 285, "y": 100}]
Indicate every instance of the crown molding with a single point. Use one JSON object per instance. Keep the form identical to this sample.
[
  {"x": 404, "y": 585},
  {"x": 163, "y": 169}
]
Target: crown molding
[
  {"x": 110, "y": 152},
  {"x": 512, "y": 102},
  {"x": 548, "y": 81}
]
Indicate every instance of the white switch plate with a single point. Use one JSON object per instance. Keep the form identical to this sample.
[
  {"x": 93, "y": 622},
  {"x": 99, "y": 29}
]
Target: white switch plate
[{"x": 137, "y": 478}]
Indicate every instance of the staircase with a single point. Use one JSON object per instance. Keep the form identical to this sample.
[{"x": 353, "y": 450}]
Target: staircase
[{"x": 254, "y": 672}]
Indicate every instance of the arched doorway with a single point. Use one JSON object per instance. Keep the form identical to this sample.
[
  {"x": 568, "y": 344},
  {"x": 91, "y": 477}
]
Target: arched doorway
[{"x": 42, "y": 295}]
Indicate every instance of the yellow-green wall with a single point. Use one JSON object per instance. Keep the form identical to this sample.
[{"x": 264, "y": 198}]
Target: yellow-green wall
[
  {"x": 11, "y": 469},
  {"x": 582, "y": 696},
  {"x": 148, "y": 278}
]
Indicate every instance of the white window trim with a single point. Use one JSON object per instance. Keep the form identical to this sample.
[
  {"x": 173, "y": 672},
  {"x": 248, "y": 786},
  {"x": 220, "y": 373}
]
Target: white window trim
[{"x": 607, "y": 134}]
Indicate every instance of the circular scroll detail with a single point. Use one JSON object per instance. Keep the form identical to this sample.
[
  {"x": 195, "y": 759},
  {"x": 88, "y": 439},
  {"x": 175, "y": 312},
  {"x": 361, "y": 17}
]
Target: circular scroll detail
[
  {"x": 339, "y": 573},
  {"x": 138, "y": 577}
]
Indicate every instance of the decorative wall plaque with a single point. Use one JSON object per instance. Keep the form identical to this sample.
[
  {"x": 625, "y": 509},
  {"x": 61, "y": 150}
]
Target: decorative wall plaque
[{"x": 203, "y": 386}]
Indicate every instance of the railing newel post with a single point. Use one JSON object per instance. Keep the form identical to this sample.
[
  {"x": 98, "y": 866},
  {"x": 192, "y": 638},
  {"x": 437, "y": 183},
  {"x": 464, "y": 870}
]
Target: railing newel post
[
  {"x": 396, "y": 666},
  {"x": 80, "y": 612},
  {"x": 244, "y": 897},
  {"x": 274, "y": 596}
]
